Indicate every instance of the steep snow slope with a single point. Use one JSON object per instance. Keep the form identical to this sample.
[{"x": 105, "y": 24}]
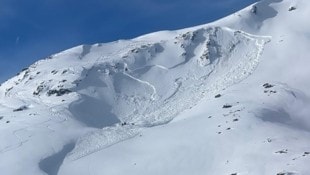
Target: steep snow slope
[{"x": 147, "y": 106}]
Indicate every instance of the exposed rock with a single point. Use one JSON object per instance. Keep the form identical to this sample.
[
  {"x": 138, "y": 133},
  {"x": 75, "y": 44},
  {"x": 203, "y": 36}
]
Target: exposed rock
[{"x": 58, "y": 92}]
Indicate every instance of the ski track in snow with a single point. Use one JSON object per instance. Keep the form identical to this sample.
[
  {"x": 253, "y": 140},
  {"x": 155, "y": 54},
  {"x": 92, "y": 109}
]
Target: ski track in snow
[{"x": 147, "y": 83}]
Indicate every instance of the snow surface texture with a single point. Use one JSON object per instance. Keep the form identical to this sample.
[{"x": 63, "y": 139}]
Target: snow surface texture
[{"x": 147, "y": 105}]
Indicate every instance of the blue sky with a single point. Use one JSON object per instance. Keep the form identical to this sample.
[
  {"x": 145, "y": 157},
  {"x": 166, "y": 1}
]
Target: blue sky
[{"x": 34, "y": 29}]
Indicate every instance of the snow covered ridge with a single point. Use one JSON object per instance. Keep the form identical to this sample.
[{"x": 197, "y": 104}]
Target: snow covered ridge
[
  {"x": 121, "y": 78},
  {"x": 230, "y": 97},
  {"x": 106, "y": 85}
]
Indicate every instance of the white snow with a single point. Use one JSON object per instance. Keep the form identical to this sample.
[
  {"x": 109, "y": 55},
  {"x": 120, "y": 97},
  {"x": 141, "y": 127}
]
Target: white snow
[{"x": 148, "y": 106}]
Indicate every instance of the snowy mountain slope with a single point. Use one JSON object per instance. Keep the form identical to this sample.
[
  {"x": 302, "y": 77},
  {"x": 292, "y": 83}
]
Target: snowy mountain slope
[{"x": 147, "y": 106}]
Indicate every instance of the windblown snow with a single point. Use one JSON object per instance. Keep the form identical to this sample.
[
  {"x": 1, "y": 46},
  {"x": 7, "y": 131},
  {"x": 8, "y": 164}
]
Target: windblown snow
[{"x": 230, "y": 97}]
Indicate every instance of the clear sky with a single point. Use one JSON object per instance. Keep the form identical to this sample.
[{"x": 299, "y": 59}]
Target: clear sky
[{"x": 34, "y": 29}]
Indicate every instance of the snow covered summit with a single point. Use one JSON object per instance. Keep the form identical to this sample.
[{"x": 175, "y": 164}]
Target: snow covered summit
[{"x": 229, "y": 97}]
